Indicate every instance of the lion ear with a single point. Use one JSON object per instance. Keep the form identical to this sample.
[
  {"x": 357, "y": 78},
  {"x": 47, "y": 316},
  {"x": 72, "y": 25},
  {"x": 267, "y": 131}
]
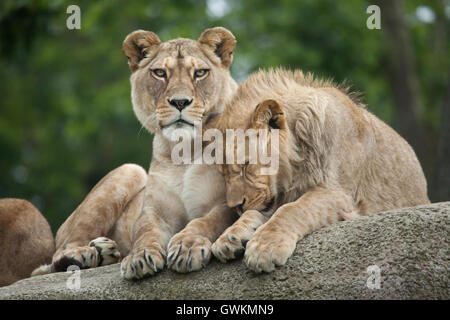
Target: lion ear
[
  {"x": 269, "y": 114},
  {"x": 137, "y": 45},
  {"x": 221, "y": 41}
]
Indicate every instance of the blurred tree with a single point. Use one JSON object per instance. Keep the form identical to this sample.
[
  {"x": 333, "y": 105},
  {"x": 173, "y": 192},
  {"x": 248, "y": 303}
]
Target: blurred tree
[
  {"x": 402, "y": 78},
  {"x": 441, "y": 186}
]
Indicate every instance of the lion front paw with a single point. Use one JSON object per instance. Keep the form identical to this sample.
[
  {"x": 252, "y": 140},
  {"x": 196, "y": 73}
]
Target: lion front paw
[
  {"x": 267, "y": 249},
  {"x": 107, "y": 249},
  {"x": 231, "y": 244},
  {"x": 188, "y": 252},
  {"x": 143, "y": 262}
]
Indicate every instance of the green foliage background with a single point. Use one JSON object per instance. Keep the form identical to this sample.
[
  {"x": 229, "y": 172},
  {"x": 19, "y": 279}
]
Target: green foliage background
[{"x": 65, "y": 112}]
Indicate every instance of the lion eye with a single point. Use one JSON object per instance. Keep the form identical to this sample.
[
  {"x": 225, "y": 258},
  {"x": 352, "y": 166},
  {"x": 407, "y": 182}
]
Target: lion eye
[
  {"x": 200, "y": 73},
  {"x": 160, "y": 73}
]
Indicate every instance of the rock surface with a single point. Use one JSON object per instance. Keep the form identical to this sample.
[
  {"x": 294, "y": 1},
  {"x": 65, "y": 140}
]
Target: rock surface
[{"x": 409, "y": 248}]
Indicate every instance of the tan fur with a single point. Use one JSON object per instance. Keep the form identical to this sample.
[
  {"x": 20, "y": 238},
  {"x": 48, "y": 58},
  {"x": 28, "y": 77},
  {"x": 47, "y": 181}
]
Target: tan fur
[
  {"x": 142, "y": 212},
  {"x": 337, "y": 160},
  {"x": 26, "y": 240}
]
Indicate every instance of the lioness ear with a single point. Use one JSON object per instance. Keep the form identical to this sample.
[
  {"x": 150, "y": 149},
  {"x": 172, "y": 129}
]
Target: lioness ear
[
  {"x": 269, "y": 114},
  {"x": 137, "y": 45},
  {"x": 221, "y": 41}
]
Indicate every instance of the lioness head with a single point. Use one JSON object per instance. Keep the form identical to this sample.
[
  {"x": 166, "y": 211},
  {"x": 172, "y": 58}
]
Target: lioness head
[
  {"x": 251, "y": 185},
  {"x": 178, "y": 83}
]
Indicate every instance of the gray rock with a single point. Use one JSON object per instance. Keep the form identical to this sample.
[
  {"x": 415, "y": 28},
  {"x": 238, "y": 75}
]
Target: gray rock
[{"x": 409, "y": 247}]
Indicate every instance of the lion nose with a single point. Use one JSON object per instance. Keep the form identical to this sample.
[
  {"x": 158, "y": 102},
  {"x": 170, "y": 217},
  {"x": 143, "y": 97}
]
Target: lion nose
[
  {"x": 180, "y": 104},
  {"x": 237, "y": 206}
]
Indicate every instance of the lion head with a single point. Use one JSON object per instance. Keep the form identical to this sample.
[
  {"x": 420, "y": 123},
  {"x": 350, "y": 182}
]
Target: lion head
[
  {"x": 249, "y": 183},
  {"x": 177, "y": 84}
]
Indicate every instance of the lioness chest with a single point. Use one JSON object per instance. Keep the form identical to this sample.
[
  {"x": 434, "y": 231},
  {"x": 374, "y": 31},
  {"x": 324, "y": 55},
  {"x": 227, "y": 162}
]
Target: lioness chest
[{"x": 198, "y": 188}]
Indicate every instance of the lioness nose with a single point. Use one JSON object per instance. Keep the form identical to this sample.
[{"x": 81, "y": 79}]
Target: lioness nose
[{"x": 180, "y": 104}]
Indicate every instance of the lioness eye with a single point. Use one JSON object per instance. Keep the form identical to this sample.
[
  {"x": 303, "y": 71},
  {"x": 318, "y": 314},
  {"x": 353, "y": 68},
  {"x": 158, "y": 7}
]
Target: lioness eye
[
  {"x": 200, "y": 73},
  {"x": 160, "y": 73}
]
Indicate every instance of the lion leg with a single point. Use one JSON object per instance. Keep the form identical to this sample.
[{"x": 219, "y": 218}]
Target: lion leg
[
  {"x": 158, "y": 222},
  {"x": 274, "y": 242},
  {"x": 149, "y": 248},
  {"x": 122, "y": 231},
  {"x": 231, "y": 244},
  {"x": 190, "y": 249},
  {"x": 81, "y": 240}
]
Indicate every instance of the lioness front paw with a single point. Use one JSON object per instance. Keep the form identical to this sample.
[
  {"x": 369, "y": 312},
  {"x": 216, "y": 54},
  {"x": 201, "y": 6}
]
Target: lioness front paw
[
  {"x": 268, "y": 249},
  {"x": 83, "y": 257},
  {"x": 188, "y": 252},
  {"x": 100, "y": 252},
  {"x": 107, "y": 249},
  {"x": 141, "y": 263},
  {"x": 231, "y": 244}
]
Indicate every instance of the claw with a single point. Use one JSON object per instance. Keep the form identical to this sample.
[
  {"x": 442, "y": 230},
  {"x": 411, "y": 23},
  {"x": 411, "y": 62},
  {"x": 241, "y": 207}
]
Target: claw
[
  {"x": 179, "y": 263},
  {"x": 203, "y": 254},
  {"x": 189, "y": 264},
  {"x": 173, "y": 256},
  {"x": 150, "y": 261},
  {"x": 189, "y": 253}
]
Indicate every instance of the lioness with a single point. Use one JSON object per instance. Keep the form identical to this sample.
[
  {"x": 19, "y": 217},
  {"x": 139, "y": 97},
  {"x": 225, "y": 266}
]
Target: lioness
[
  {"x": 173, "y": 84},
  {"x": 336, "y": 161},
  {"x": 26, "y": 240}
]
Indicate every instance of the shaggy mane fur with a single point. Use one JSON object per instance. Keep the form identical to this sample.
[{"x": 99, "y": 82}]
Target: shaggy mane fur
[{"x": 278, "y": 80}]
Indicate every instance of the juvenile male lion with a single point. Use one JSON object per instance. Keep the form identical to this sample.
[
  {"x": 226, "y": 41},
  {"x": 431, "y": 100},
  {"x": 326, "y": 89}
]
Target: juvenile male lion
[
  {"x": 336, "y": 161},
  {"x": 26, "y": 240},
  {"x": 174, "y": 84}
]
